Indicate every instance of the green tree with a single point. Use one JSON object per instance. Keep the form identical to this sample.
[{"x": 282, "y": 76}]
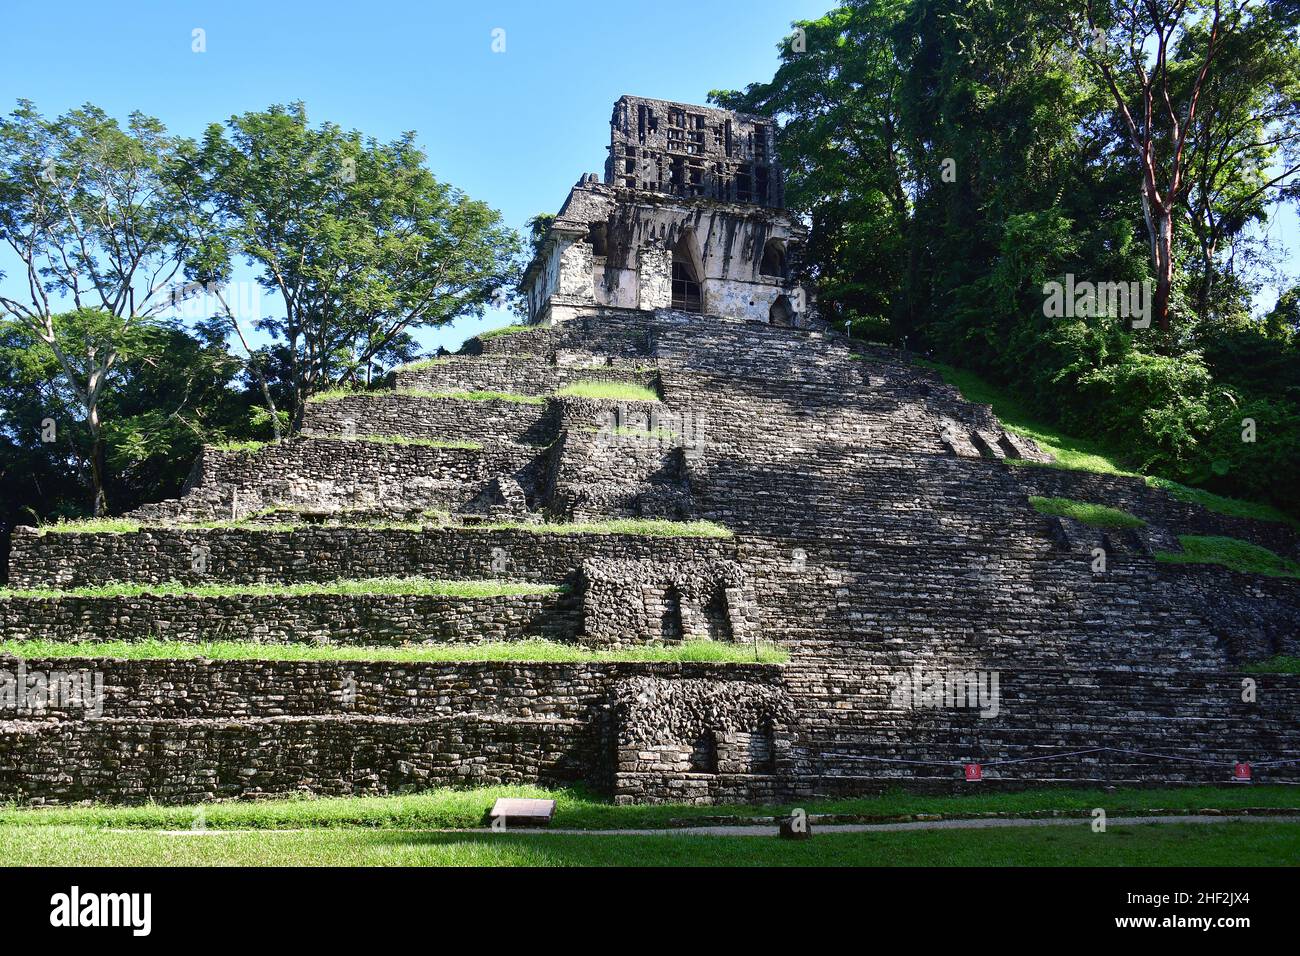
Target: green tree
[
  {"x": 165, "y": 395},
  {"x": 837, "y": 89},
  {"x": 359, "y": 241},
  {"x": 100, "y": 219}
]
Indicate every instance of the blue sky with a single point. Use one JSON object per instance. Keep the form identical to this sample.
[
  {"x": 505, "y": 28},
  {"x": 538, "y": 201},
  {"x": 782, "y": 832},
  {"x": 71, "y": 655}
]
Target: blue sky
[{"x": 515, "y": 129}]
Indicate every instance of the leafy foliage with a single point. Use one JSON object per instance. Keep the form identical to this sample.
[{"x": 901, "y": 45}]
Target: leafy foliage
[{"x": 955, "y": 156}]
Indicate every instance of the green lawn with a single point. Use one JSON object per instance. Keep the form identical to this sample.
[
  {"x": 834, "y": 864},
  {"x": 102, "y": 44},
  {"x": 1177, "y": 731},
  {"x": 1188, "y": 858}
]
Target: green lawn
[
  {"x": 537, "y": 650},
  {"x": 1096, "y": 516},
  {"x": 1225, "y": 844},
  {"x": 378, "y": 831},
  {"x": 578, "y": 808},
  {"x": 1230, "y": 553}
]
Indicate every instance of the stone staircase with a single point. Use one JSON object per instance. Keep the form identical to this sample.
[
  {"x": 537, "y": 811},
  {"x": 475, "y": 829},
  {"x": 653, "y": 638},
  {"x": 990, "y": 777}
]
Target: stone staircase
[{"x": 880, "y": 523}]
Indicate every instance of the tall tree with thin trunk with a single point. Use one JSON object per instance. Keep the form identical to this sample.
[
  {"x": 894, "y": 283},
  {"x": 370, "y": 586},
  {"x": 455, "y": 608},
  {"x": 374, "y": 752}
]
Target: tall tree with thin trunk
[
  {"x": 1135, "y": 48},
  {"x": 100, "y": 221}
]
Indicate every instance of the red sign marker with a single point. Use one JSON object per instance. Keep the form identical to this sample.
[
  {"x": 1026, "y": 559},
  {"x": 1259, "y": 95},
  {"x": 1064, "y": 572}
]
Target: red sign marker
[
  {"x": 974, "y": 773},
  {"x": 1241, "y": 773}
]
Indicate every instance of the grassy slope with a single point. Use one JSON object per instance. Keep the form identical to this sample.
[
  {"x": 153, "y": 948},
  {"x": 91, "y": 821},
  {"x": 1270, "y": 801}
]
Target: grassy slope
[
  {"x": 1083, "y": 455},
  {"x": 611, "y": 391},
  {"x": 524, "y": 651},
  {"x": 1280, "y": 664},
  {"x": 1230, "y": 553},
  {"x": 1097, "y": 516},
  {"x": 1225, "y": 844}
]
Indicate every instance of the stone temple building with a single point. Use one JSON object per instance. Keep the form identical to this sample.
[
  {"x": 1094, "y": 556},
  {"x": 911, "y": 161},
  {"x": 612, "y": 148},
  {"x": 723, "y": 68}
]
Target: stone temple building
[
  {"x": 673, "y": 450},
  {"x": 689, "y": 216}
]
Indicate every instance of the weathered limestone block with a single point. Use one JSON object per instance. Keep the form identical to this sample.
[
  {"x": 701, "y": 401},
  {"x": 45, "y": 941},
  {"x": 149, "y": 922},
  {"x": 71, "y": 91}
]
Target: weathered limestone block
[
  {"x": 654, "y": 278},
  {"x": 641, "y": 601}
]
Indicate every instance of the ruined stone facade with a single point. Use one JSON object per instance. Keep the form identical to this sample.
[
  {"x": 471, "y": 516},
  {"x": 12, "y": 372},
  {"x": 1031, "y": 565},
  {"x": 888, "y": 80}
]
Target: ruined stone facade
[{"x": 689, "y": 216}]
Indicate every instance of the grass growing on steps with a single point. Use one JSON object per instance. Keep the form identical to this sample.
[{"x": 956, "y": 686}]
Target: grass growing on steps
[
  {"x": 248, "y": 447},
  {"x": 579, "y": 808},
  {"x": 1078, "y": 454},
  {"x": 1096, "y": 516},
  {"x": 609, "y": 391},
  {"x": 1230, "y": 553},
  {"x": 468, "y": 396},
  {"x": 422, "y": 364},
  {"x": 1072, "y": 453},
  {"x": 1281, "y": 664},
  {"x": 240, "y": 446},
  {"x": 131, "y": 526},
  {"x": 530, "y": 651},
  {"x": 1221, "y": 505},
  {"x": 404, "y": 440},
  {"x": 388, "y": 586},
  {"x": 92, "y": 525},
  {"x": 510, "y": 330},
  {"x": 645, "y": 527}
]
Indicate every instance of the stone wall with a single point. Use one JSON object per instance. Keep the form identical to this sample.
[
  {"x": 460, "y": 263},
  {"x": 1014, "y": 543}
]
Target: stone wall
[
  {"x": 858, "y": 733},
  {"x": 702, "y": 741},
  {"x": 323, "y": 553},
  {"x": 413, "y": 416},
  {"x": 328, "y": 474},
  {"x": 635, "y": 602},
  {"x": 188, "y": 761},
  {"x": 618, "y": 459},
  {"x": 369, "y": 619},
  {"x": 517, "y": 375},
  {"x": 175, "y": 731}
]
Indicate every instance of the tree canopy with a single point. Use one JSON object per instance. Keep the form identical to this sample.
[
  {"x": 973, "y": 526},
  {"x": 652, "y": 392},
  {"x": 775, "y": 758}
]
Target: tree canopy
[{"x": 958, "y": 158}]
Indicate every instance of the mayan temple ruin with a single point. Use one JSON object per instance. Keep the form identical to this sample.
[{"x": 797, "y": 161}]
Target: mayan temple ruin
[{"x": 776, "y": 484}]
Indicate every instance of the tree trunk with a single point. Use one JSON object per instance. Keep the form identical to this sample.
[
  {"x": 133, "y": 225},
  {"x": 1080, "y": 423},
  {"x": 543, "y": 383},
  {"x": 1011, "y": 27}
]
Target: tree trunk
[
  {"x": 1160, "y": 230},
  {"x": 1164, "y": 263},
  {"x": 97, "y": 474},
  {"x": 94, "y": 385},
  {"x": 266, "y": 398}
]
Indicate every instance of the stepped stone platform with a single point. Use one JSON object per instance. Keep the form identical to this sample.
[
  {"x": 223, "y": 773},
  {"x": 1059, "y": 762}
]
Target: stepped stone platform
[{"x": 881, "y": 533}]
